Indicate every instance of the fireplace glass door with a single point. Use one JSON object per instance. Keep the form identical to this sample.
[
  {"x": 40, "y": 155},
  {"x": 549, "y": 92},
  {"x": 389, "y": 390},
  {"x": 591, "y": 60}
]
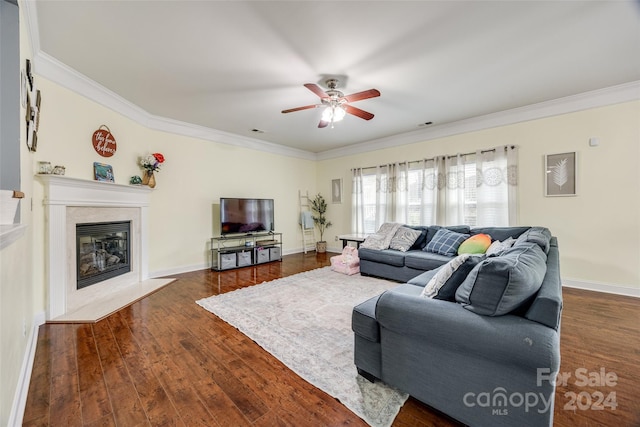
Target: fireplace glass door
[{"x": 103, "y": 251}]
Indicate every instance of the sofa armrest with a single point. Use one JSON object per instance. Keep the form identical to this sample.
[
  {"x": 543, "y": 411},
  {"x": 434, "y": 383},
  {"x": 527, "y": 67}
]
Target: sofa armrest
[{"x": 508, "y": 339}]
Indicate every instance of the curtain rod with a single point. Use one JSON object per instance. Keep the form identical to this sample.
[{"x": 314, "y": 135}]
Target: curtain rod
[{"x": 505, "y": 147}]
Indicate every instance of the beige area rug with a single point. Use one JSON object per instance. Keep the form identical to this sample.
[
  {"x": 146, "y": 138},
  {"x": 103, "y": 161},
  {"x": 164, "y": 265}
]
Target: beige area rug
[{"x": 304, "y": 321}]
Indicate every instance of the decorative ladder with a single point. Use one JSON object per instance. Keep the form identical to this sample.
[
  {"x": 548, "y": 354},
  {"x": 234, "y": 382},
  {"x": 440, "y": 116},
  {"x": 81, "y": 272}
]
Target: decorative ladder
[{"x": 308, "y": 235}]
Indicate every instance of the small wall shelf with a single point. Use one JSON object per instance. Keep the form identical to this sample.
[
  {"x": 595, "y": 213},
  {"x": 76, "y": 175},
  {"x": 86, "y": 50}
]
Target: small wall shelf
[{"x": 244, "y": 250}]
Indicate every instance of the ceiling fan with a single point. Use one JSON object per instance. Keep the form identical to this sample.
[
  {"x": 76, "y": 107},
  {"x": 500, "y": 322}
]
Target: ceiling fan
[{"x": 336, "y": 103}]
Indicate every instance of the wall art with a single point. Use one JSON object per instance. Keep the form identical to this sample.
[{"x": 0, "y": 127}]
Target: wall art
[
  {"x": 560, "y": 174},
  {"x": 103, "y": 172}
]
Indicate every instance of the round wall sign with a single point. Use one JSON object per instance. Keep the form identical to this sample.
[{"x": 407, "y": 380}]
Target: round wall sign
[{"x": 103, "y": 142}]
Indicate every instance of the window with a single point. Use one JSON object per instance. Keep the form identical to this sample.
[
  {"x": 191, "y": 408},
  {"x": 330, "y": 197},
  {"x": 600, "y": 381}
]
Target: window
[{"x": 476, "y": 189}]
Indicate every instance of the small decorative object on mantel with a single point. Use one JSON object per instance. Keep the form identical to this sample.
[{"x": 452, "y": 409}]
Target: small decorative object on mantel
[
  {"x": 103, "y": 172},
  {"x": 58, "y": 170},
  {"x": 319, "y": 209},
  {"x": 104, "y": 142},
  {"x": 44, "y": 167},
  {"x": 151, "y": 163},
  {"x": 135, "y": 180}
]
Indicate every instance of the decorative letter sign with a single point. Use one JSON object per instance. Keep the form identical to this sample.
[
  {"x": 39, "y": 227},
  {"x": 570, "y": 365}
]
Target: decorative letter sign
[{"x": 103, "y": 142}]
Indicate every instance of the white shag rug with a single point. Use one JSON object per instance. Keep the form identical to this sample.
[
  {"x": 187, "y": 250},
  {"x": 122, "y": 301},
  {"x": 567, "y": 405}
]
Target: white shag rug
[{"x": 304, "y": 321}]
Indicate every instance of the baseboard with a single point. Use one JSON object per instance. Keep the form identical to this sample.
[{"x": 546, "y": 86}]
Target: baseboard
[
  {"x": 22, "y": 388},
  {"x": 601, "y": 287},
  {"x": 177, "y": 270}
]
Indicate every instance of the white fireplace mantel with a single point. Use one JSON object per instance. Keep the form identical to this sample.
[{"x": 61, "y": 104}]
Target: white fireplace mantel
[{"x": 60, "y": 193}]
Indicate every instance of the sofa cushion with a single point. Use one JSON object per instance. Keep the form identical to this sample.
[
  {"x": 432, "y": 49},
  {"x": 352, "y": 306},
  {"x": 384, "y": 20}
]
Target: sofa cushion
[
  {"x": 363, "y": 320},
  {"x": 381, "y": 238},
  {"x": 421, "y": 260},
  {"x": 477, "y": 244},
  {"x": 538, "y": 235},
  {"x": 404, "y": 238},
  {"x": 446, "y": 242},
  {"x": 445, "y": 282},
  {"x": 500, "y": 233},
  {"x": 499, "y": 285},
  {"x": 433, "y": 229},
  {"x": 386, "y": 256}
]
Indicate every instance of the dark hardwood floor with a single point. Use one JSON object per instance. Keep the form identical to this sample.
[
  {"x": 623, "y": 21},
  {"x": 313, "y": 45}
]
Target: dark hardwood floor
[{"x": 166, "y": 361}]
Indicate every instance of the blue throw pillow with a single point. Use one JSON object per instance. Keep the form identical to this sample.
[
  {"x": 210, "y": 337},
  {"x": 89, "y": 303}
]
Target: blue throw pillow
[{"x": 446, "y": 242}]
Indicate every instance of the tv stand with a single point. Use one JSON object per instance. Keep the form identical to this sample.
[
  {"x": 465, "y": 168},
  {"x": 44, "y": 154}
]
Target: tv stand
[{"x": 242, "y": 250}]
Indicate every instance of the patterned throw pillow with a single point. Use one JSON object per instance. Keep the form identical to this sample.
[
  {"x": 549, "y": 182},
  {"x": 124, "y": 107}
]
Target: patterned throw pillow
[
  {"x": 404, "y": 238},
  {"x": 380, "y": 240},
  {"x": 444, "y": 273},
  {"x": 477, "y": 244},
  {"x": 446, "y": 242},
  {"x": 498, "y": 247}
]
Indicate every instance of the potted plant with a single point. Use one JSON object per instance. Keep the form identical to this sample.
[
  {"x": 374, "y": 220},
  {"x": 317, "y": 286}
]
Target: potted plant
[{"x": 319, "y": 209}]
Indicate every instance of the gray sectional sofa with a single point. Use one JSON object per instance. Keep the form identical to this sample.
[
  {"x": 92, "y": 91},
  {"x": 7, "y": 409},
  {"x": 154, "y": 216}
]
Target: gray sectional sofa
[{"x": 486, "y": 349}]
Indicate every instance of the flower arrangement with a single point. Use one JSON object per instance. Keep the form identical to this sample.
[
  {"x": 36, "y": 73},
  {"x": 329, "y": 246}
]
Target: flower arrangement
[{"x": 151, "y": 162}]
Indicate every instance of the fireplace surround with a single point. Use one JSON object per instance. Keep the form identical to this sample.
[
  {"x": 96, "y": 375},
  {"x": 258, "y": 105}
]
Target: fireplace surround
[{"x": 71, "y": 201}]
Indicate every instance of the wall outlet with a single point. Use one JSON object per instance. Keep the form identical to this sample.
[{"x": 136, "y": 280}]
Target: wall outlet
[{"x": 337, "y": 238}]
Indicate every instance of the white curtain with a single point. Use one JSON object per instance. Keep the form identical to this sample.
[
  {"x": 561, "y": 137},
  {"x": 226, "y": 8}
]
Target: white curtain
[{"x": 477, "y": 189}]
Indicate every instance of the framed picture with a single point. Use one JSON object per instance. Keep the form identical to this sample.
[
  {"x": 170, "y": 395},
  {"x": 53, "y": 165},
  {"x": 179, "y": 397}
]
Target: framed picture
[
  {"x": 103, "y": 172},
  {"x": 560, "y": 174},
  {"x": 336, "y": 190}
]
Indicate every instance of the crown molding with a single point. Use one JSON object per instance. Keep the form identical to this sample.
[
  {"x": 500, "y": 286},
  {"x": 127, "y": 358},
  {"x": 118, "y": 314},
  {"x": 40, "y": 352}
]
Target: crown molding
[
  {"x": 59, "y": 73},
  {"x": 598, "y": 98}
]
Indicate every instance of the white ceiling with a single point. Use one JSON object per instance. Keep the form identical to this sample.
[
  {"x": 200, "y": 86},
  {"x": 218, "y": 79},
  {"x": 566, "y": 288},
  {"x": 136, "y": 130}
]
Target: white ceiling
[{"x": 232, "y": 66}]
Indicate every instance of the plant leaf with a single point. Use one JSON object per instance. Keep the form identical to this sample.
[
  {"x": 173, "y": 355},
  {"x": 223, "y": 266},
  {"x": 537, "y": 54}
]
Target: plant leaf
[{"x": 560, "y": 174}]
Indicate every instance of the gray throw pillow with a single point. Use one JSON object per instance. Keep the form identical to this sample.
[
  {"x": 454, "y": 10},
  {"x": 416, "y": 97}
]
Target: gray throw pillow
[
  {"x": 502, "y": 284},
  {"x": 404, "y": 238}
]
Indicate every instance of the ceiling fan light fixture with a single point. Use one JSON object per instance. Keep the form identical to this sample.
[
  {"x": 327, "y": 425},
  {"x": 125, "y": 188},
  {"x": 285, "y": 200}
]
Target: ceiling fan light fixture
[{"x": 333, "y": 113}]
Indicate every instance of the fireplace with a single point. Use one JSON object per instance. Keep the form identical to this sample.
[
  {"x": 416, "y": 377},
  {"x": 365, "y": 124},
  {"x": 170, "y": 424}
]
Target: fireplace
[
  {"x": 103, "y": 251},
  {"x": 70, "y": 202}
]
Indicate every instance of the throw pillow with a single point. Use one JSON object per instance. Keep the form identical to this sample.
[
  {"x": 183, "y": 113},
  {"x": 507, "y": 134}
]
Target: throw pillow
[
  {"x": 446, "y": 242},
  {"x": 381, "y": 239},
  {"x": 498, "y": 247},
  {"x": 477, "y": 244},
  {"x": 445, "y": 282},
  {"x": 500, "y": 285},
  {"x": 404, "y": 238}
]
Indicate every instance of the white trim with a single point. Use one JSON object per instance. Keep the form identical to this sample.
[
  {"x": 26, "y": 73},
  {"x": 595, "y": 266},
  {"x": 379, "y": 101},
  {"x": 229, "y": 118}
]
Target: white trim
[
  {"x": 54, "y": 70},
  {"x": 22, "y": 389},
  {"x": 602, "y": 287},
  {"x": 62, "y": 193},
  {"x": 598, "y": 98}
]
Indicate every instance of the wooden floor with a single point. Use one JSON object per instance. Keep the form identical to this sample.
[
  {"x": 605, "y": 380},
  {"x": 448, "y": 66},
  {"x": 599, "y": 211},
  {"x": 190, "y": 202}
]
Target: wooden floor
[{"x": 166, "y": 361}]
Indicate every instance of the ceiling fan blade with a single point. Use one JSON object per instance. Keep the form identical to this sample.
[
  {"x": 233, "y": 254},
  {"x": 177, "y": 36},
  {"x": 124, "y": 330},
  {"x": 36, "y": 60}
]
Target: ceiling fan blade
[
  {"x": 357, "y": 112},
  {"x": 323, "y": 124},
  {"x": 371, "y": 93},
  {"x": 316, "y": 89},
  {"x": 306, "y": 107}
]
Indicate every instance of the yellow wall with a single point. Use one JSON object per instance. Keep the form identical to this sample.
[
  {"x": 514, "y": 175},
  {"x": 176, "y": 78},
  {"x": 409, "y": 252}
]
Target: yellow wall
[
  {"x": 195, "y": 175},
  {"x": 598, "y": 230}
]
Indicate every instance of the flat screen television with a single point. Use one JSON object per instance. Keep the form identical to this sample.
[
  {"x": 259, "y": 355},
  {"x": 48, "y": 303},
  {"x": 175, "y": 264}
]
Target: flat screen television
[{"x": 245, "y": 215}]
